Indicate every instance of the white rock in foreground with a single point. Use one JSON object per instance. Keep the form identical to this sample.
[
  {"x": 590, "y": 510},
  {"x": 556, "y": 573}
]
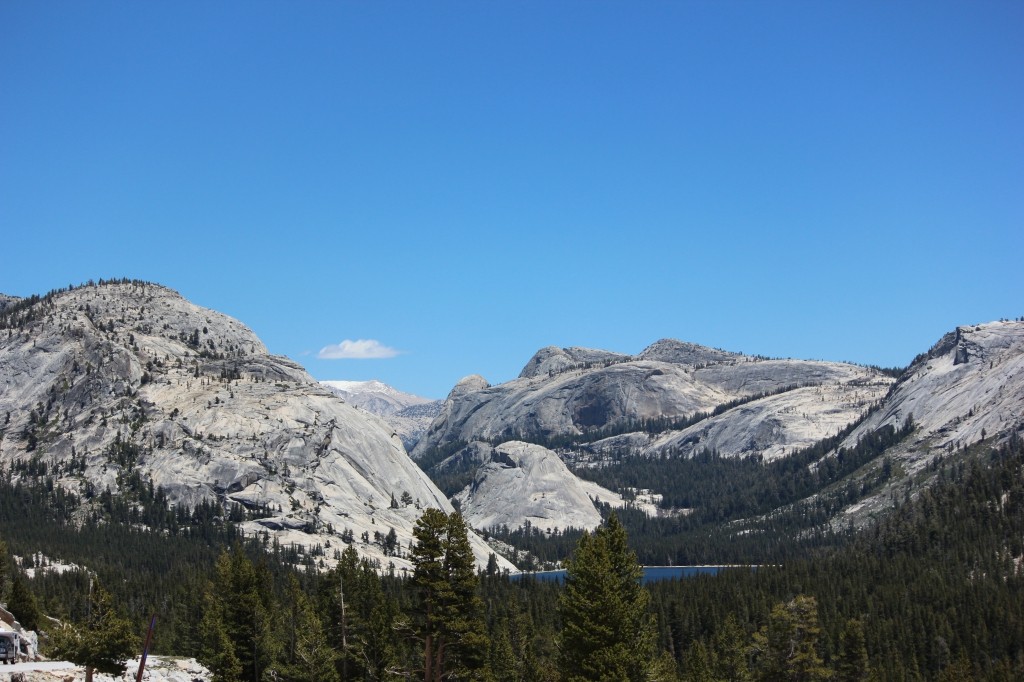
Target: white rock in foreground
[{"x": 158, "y": 669}]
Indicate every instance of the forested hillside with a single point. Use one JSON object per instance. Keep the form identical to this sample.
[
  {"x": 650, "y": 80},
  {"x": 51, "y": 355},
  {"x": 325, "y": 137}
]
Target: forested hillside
[{"x": 933, "y": 591}]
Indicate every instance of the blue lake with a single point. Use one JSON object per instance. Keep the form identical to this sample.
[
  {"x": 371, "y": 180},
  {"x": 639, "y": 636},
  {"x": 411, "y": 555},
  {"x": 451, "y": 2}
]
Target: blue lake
[{"x": 651, "y": 573}]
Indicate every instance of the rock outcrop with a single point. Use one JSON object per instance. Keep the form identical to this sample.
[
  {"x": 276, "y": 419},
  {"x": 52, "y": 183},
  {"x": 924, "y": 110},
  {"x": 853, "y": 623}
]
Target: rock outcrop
[
  {"x": 573, "y": 394},
  {"x": 518, "y": 483},
  {"x": 132, "y": 376},
  {"x": 969, "y": 386}
]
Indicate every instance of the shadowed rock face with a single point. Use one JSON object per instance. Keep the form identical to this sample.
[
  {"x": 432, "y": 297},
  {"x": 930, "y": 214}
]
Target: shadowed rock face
[{"x": 208, "y": 412}]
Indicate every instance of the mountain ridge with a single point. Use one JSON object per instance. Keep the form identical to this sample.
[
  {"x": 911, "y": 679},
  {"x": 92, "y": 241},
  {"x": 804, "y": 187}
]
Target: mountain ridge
[
  {"x": 601, "y": 410},
  {"x": 129, "y": 376},
  {"x": 565, "y": 392}
]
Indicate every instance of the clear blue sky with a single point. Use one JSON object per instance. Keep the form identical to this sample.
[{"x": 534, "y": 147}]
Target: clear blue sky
[{"x": 466, "y": 182}]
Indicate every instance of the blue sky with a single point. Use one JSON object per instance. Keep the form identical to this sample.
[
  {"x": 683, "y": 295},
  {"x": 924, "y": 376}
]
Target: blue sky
[{"x": 466, "y": 182}]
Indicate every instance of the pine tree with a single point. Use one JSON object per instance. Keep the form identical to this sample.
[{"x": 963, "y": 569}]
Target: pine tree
[
  {"x": 22, "y": 603},
  {"x": 852, "y": 665},
  {"x": 246, "y": 607},
  {"x": 730, "y": 652},
  {"x": 450, "y": 616},
  {"x": 104, "y": 642},
  {"x": 314, "y": 658},
  {"x": 217, "y": 651},
  {"x": 503, "y": 661},
  {"x": 698, "y": 663},
  {"x": 5, "y": 561},
  {"x": 607, "y": 632},
  {"x": 362, "y": 619},
  {"x": 788, "y": 644}
]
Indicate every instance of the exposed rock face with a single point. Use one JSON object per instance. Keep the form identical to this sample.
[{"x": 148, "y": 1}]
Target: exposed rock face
[
  {"x": 769, "y": 427},
  {"x": 568, "y": 403},
  {"x": 652, "y": 402},
  {"x": 969, "y": 385},
  {"x": 409, "y": 415},
  {"x": 569, "y": 392},
  {"x": 682, "y": 353},
  {"x": 555, "y": 360},
  {"x": 208, "y": 413},
  {"x": 412, "y": 422},
  {"x": 520, "y": 482}
]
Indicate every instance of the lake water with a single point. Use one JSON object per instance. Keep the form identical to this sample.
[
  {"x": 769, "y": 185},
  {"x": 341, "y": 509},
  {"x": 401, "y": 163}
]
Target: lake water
[{"x": 651, "y": 573}]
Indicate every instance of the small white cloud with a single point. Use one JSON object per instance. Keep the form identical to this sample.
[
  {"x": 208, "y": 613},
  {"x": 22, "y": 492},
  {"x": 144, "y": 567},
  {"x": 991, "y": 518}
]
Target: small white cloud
[{"x": 361, "y": 349}]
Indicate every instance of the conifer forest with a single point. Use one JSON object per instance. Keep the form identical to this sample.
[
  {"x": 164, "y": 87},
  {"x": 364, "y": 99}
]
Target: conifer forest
[{"x": 930, "y": 592}]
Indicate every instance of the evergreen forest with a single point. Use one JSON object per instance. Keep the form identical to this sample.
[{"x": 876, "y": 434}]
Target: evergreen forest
[{"x": 932, "y": 591}]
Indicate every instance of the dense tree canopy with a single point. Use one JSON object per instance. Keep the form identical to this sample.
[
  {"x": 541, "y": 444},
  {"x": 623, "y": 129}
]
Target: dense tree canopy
[{"x": 931, "y": 591}]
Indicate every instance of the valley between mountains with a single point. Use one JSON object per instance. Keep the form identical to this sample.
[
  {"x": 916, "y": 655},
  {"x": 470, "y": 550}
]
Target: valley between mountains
[
  {"x": 116, "y": 387},
  {"x": 287, "y": 528}
]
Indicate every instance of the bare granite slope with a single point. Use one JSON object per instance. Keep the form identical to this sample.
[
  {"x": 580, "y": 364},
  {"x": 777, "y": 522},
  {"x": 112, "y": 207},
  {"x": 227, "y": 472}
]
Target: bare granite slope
[
  {"x": 208, "y": 413},
  {"x": 519, "y": 483},
  {"x": 573, "y": 392},
  {"x": 968, "y": 386}
]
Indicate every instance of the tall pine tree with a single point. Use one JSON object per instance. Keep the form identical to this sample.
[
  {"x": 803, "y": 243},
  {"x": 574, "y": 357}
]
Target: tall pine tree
[
  {"x": 788, "y": 646},
  {"x": 450, "y": 615},
  {"x": 607, "y": 632}
]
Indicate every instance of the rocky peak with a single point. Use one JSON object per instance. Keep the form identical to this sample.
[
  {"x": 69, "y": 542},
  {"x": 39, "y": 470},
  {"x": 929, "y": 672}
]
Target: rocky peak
[
  {"x": 683, "y": 353},
  {"x": 409, "y": 415},
  {"x": 968, "y": 386},
  {"x": 375, "y": 396},
  {"x": 469, "y": 384},
  {"x": 547, "y": 359},
  {"x": 205, "y": 412},
  {"x": 552, "y": 360}
]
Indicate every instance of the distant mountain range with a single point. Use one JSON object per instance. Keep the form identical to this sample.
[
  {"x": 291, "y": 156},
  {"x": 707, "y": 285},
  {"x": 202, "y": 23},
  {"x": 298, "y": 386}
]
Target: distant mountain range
[
  {"x": 409, "y": 415},
  {"x": 106, "y": 385},
  {"x": 598, "y": 409}
]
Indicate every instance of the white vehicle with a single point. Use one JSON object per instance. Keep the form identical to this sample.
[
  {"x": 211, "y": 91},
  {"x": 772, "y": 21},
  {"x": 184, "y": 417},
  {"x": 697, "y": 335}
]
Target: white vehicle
[{"x": 9, "y": 645}]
